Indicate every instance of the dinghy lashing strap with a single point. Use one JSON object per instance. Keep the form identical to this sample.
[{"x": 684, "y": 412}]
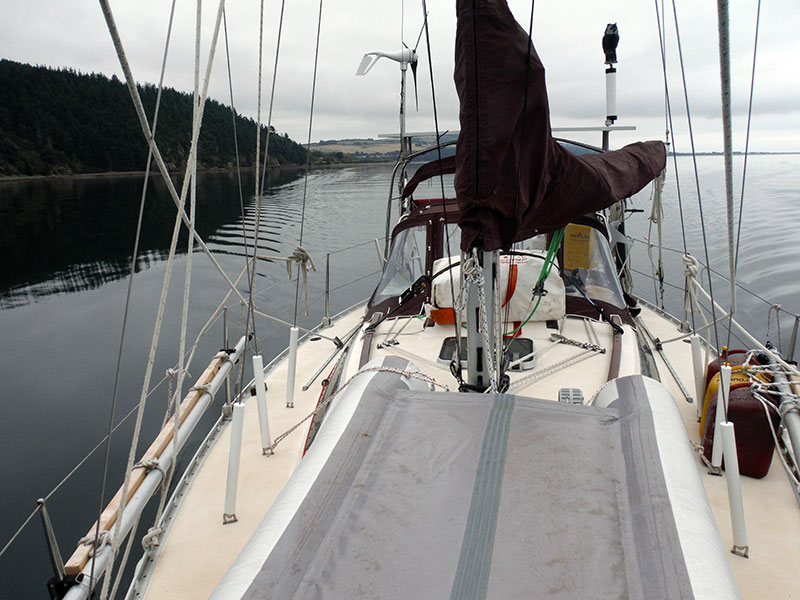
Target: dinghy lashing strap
[{"x": 472, "y": 574}]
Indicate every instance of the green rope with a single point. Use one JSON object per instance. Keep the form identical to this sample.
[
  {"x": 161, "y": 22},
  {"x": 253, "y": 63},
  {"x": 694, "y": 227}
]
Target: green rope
[{"x": 549, "y": 261}]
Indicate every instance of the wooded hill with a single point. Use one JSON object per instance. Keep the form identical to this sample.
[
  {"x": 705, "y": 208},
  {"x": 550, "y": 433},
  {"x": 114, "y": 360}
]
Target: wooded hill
[{"x": 61, "y": 122}]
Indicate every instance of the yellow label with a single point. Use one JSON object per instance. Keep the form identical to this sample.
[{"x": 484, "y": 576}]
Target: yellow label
[{"x": 577, "y": 246}]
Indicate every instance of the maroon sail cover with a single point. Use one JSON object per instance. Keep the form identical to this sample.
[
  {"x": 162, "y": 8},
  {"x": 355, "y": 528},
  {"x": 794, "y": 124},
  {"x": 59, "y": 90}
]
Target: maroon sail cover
[{"x": 512, "y": 179}]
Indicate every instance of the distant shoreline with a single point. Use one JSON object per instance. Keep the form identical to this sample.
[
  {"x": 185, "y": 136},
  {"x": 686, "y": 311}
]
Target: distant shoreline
[{"x": 154, "y": 172}]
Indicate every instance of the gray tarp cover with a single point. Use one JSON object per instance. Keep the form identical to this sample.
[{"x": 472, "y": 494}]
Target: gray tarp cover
[{"x": 471, "y": 496}]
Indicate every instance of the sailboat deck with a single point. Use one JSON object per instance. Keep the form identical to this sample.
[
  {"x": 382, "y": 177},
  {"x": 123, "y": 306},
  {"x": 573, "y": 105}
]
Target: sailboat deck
[
  {"x": 771, "y": 513},
  {"x": 199, "y": 549},
  {"x": 557, "y": 364}
]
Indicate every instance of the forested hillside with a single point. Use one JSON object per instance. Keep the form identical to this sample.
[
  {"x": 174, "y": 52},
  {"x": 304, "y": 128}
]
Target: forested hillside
[{"x": 58, "y": 121}]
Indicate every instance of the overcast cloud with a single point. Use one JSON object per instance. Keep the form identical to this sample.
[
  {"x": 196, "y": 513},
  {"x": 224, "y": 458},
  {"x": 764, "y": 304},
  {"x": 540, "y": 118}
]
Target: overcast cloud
[{"x": 567, "y": 35}]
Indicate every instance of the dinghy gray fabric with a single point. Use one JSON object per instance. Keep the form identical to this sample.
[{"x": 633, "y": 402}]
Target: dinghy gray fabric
[
  {"x": 432, "y": 495},
  {"x": 513, "y": 180}
]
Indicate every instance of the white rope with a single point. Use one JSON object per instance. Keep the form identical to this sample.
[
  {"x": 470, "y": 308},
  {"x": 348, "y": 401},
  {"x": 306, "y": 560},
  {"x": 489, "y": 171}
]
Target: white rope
[
  {"x": 123, "y": 561},
  {"x": 181, "y": 214},
  {"x": 691, "y": 270},
  {"x": 304, "y": 262},
  {"x": 95, "y": 541},
  {"x": 177, "y": 199},
  {"x": 152, "y": 539},
  {"x": 656, "y": 218}
]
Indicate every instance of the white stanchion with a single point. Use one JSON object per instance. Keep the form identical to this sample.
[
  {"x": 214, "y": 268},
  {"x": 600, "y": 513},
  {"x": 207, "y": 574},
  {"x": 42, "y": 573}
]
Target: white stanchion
[
  {"x": 261, "y": 401},
  {"x": 699, "y": 373},
  {"x": 229, "y": 512},
  {"x": 723, "y": 393},
  {"x": 733, "y": 480},
  {"x": 290, "y": 376}
]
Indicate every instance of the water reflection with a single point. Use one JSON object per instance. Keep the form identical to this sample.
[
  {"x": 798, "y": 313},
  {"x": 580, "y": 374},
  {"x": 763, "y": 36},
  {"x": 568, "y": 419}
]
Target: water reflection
[{"x": 66, "y": 235}]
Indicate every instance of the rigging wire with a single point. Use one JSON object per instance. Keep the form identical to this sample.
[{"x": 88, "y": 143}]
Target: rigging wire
[
  {"x": 272, "y": 101},
  {"x": 746, "y": 151},
  {"x": 694, "y": 163},
  {"x": 184, "y": 324},
  {"x": 109, "y": 18},
  {"x": 178, "y": 394},
  {"x": 252, "y": 263},
  {"x": 308, "y": 156},
  {"x": 721, "y": 276},
  {"x": 134, "y": 258},
  {"x": 261, "y": 184},
  {"x": 662, "y": 29},
  {"x": 236, "y": 147},
  {"x": 257, "y": 226},
  {"x": 456, "y": 324}
]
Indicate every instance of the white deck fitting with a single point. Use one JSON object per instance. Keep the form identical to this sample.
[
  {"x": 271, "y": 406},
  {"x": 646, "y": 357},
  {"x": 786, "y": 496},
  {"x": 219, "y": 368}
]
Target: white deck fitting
[
  {"x": 771, "y": 513},
  {"x": 199, "y": 548}
]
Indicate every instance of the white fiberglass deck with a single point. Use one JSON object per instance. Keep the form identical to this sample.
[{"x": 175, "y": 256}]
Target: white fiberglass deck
[
  {"x": 771, "y": 513},
  {"x": 199, "y": 548}
]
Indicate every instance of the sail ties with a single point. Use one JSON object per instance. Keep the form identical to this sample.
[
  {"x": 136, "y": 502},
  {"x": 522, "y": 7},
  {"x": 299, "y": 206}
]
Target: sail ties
[
  {"x": 691, "y": 269},
  {"x": 657, "y": 218},
  {"x": 304, "y": 262},
  {"x": 152, "y": 539},
  {"x": 97, "y": 542}
]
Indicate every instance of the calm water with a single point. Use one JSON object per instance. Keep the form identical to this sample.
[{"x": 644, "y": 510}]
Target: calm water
[{"x": 66, "y": 247}]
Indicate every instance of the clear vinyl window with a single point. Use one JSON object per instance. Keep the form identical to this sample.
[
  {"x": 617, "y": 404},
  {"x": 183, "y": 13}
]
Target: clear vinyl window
[
  {"x": 406, "y": 263},
  {"x": 588, "y": 265}
]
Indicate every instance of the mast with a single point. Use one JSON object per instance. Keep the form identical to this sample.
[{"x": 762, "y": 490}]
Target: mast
[
  {"x": 723, "y": 23},
  {"x": 405, "y": 57}
]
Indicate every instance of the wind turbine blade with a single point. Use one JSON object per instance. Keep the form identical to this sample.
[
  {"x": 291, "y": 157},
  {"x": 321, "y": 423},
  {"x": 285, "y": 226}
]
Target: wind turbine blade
[
  {"x": 414, "y": 73},
  {"x": 366, "y": 64},
  {"x": 419, "y": 37}
]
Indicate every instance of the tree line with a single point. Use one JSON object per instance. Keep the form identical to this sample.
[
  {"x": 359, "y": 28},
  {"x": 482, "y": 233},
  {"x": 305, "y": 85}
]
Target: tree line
[{"x": 61, "y": 122}]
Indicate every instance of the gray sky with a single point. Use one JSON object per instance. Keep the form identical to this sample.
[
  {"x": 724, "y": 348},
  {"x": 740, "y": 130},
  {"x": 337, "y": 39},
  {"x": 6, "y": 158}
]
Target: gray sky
[{"x": 567, "y": 35}]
